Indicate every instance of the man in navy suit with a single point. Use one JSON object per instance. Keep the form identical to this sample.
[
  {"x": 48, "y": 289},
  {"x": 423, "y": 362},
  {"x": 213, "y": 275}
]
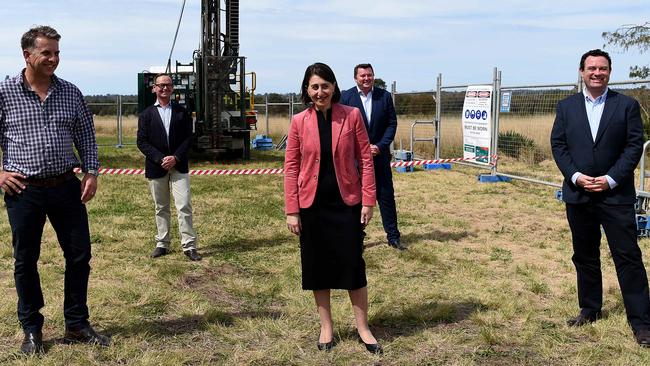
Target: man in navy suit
[
  {"x": 378, "y": 113},
  {"x": 164, "y": 135},
  {"x": 597, "y": 141}
]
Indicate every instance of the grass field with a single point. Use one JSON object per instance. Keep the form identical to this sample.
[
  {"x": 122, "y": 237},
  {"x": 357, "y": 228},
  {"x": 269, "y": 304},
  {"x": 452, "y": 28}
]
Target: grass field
[{"x": 487, "y": 280}]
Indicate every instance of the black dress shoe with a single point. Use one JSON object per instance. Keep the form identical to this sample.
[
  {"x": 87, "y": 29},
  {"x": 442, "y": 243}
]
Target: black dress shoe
[
  {"x": 374, "y": 348},
  {"x": 396, "y": 244},
  {"x": 86, "y": 335},
  {"x": 32, "y": 343},
  {"x": 159, "y": 252},
  {"x": 584, "y": 318},
  {"x": 193, "y": 255},
  {"x": 325, "y": 346},
  {"x": 642, "y": 337}
]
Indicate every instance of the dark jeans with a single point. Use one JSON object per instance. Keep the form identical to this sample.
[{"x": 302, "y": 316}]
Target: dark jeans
[
  {"x": 27, "y": 212},
  {"x": 619, "y": 224}
]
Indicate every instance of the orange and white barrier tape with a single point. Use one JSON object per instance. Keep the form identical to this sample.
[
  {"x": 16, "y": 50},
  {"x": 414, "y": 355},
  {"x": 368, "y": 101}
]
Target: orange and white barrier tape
[
  {"x": 492, "y": 158},
  {"x": 267, "y": 171}
]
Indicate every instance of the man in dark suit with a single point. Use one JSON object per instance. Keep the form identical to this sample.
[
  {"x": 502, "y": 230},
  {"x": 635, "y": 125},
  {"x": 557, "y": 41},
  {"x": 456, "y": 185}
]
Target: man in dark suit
[
  {"x": 379, "y": 116},
  {"x": 164, "y": 135},
  {"x": 597, "y": 141}
]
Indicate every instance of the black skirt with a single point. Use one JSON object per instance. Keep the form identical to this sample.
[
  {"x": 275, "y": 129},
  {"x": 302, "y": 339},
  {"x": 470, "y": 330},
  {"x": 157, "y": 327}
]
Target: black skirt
[{"x": 331, "y": 247}]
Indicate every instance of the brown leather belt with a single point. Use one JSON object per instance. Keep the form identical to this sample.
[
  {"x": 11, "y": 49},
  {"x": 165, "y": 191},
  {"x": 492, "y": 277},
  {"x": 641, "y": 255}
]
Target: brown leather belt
[{"x": 50, "y": 181}]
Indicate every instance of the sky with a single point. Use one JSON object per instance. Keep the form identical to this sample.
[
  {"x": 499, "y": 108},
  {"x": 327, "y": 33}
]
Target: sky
[{"x": 105, "y": 44}]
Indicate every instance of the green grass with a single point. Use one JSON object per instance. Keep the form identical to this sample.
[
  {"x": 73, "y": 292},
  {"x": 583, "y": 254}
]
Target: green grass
[{"x": 487, "y": 280}]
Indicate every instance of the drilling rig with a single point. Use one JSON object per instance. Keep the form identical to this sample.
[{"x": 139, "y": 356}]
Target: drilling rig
[{"x": 212, "y": 87}]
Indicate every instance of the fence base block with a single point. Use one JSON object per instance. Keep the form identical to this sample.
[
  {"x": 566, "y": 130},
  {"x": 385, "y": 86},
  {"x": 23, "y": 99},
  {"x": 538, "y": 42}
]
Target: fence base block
[
  {"x": 489, "y": 178},
  {"x": 404, "y": 169},
  {"x": 446, "y": 166}
]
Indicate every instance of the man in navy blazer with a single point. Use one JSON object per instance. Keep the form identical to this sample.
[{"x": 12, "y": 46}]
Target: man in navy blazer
[
  {"x": 597, "y": 141},
  {"x": 164, "y": 135},
  {"x": 378, "y": 111}
]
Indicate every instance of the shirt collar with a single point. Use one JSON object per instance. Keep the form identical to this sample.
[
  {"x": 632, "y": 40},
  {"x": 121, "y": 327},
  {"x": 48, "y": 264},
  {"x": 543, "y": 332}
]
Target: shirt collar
[
  {"x": 361, "y": 92},
  {"x": 600, "y": 99},
  {"x": 157, "y": 104},
  {"x": 20, "y": 80}
]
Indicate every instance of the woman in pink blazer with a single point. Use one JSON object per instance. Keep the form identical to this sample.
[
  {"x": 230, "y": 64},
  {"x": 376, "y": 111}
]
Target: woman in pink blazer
[{"x": 329, "y": 189}]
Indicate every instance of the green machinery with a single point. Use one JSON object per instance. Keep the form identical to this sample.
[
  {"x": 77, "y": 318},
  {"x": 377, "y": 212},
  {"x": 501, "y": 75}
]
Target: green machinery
[{"x": 213, "y": 86}]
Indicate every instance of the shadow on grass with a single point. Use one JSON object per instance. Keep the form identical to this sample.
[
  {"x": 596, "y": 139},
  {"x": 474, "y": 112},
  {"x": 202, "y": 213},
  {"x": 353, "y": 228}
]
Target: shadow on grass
[
  {"x": 390, "y": 323},
  {"x": 186, "y": 324},
  {"x": 240, "y": 245},
  {"x": 436, "y": 235}
]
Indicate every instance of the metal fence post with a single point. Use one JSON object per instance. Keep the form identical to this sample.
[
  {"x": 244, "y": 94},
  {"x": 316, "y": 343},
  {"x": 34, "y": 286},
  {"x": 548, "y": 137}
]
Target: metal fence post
[
  {"x": 436, "y": 119},
  {"x": 119, "y": 121},
  {"x": 496, "y": 103},
  {"x": 290, "y": 106},
  {"x": 579, "y": 83},
  {"x": 266, "y": 111}
]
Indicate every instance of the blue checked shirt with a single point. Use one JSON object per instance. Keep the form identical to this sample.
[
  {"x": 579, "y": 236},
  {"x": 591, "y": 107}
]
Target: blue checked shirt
[{"x": 38, "y": 139}]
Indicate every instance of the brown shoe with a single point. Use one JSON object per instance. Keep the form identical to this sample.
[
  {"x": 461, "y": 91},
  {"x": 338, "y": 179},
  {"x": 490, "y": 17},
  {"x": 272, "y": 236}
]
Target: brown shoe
[
  {"x": 642, "y": 337},
  {"x": 85, "y": 335},
  {"x": 584, "y": 318}
]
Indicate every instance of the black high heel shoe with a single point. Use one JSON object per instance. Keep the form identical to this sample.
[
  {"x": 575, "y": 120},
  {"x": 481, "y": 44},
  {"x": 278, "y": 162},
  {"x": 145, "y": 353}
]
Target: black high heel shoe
[
  {"x": 375, "y": 348},
  {"x": 325, "y": 346}
]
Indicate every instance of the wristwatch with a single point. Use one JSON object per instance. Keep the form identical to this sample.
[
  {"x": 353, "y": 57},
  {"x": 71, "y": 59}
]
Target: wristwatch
[{"x": 94, "y": 172}]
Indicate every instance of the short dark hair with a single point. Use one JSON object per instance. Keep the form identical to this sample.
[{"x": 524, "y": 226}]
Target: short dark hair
[
  {"x": 325, "y": 72},
  {"x": 595, "y": 53},
  {"x": 28, "y": 40},
  {"x": 155, "y": 78},
  {"x": 363, "y": 66}
]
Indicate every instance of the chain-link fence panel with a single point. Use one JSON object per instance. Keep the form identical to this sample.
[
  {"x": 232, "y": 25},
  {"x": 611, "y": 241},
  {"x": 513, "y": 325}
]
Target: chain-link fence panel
[
  {"x": 451, "y": 101},
  {"x": 411, "y": 107},
  {"x": 274, "y": 112},
  {"x": 524, "y": 146},
  {"x": 639, "y": 91}
]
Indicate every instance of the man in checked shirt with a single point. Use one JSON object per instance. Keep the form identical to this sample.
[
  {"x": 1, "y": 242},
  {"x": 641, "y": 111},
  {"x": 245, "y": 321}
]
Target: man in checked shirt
[{"x": 42, "y": 119}]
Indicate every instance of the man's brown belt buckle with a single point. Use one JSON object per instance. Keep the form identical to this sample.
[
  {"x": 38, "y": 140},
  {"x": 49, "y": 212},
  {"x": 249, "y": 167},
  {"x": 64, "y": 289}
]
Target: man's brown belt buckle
[{"x": 50, "y": 181}]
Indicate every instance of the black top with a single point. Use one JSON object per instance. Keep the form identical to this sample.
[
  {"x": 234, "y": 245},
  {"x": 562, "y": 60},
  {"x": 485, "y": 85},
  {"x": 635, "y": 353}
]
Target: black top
[{"x": 327, "y": 192}]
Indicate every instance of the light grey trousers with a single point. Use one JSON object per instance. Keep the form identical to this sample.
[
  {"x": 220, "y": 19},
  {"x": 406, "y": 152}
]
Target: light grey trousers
[{"x": 177, "y": 185}]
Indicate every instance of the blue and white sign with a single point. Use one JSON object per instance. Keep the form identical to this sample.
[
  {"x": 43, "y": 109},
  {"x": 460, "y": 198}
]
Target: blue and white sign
[
  {"x": 506, "y": 97},
  {"x": 477, "y": 122}
]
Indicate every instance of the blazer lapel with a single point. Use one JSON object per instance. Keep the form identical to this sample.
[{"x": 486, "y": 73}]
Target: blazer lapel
[
  {"x": 610, "y": 107},
  {"x": 376, "y": 100},
  {"x": 582, "y": 118},
  {"x": 157, "y": 118},
  {"x": 357, "y": 103},
  {"x": 338, "y": 117},
  {"x": 310, "y": 129}
]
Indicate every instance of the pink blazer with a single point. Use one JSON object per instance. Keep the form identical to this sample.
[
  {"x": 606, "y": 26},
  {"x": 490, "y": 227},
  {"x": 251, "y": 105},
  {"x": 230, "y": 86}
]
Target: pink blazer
[{"x": 352, "y": 159}]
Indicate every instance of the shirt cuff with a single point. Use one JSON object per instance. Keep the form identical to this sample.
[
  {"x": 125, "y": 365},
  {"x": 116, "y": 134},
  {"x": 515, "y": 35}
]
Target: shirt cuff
[
  {"x": 575, "y": 177},
  {"x": 612, "y": 182}
]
